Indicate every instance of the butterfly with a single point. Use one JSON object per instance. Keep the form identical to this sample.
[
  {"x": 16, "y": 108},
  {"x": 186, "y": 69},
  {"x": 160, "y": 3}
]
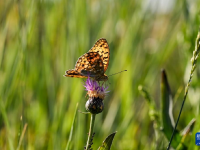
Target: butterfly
[{"x": 94, "y": 63}]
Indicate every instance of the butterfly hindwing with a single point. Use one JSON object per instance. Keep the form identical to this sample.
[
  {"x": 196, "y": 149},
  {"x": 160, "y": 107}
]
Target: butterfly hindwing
[
  {"x": 73, "y": 73},
  {"x": 90, "y": 64}
]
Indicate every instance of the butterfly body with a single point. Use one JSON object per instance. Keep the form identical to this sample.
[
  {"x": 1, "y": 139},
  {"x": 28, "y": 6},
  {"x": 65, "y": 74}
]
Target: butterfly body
[{"x": 94, "y": 63}]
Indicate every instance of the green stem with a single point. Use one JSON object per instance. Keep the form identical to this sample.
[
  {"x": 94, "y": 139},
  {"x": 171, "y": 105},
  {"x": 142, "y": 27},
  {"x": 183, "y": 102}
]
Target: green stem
[
  {"x": 89, "y": 142},
  {"x": 194, "y": 61}
]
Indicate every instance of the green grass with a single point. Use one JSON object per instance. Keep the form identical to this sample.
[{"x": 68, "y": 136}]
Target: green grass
[{"x": 40, "y": 40}]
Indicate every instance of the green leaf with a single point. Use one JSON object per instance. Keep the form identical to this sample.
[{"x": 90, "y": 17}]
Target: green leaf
[
  {"x": 167, "y": 120},
  {"x": 72, "y": 129},
  {"x": 107, "y": 142}
]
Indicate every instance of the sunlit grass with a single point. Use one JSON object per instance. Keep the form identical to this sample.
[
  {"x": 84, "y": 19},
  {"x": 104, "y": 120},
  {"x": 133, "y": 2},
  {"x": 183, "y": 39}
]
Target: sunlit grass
[{"x": 40, "y": 40}]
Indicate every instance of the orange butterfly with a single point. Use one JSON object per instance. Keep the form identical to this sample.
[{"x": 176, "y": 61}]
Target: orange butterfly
[{"x": 93, "y": 63}]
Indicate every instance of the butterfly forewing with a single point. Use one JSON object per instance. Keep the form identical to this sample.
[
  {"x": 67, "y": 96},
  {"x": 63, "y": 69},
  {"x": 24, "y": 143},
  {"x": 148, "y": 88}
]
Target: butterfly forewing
[{"x": 101, "y": 47}]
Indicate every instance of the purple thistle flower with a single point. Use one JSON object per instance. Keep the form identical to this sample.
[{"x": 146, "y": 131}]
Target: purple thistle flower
[{"x": 94, "y": 89}]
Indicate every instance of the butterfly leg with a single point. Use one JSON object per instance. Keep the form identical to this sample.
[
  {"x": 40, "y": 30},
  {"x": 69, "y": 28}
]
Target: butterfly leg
[
  {"x": 109, "y": 82},
  {"x": 103, "y": 83}
]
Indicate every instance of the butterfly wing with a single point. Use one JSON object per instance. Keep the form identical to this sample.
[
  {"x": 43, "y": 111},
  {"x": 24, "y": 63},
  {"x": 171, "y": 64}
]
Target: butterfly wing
[
  {"x": 93, "y": 63},
  {"x": 74, "y": 74},
  {"x": 90, "y": 64},
  {"x": 101, "y": 47}
]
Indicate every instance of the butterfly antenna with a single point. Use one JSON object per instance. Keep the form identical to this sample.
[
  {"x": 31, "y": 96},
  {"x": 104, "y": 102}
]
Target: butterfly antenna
[{"x": 116, "y": 73}]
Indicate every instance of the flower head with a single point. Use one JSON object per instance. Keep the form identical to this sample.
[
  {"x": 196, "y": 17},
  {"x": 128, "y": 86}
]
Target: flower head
[
  {"x": 96, "y": 95},
  {"x": 94, "y": 89}
]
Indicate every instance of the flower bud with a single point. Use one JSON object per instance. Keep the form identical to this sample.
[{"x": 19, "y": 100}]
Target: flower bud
[{"x": 94, "y": 105}]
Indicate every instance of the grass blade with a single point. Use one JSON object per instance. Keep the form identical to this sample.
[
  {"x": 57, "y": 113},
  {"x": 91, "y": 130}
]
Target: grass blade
[
  {"x": 186, "y": 136},
  {"x": 22, "y": 136},
  {"x": 72, "y": 129}
]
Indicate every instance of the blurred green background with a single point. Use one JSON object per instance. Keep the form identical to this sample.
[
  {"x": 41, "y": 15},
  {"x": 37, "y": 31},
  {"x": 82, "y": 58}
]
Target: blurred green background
[{"x": 41, "y": 39}]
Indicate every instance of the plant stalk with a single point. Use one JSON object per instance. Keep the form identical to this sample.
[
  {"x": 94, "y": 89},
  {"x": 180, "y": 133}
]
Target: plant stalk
[
  {"x": 89, "y": 141},
  {"x": 194, "y": 61}
]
